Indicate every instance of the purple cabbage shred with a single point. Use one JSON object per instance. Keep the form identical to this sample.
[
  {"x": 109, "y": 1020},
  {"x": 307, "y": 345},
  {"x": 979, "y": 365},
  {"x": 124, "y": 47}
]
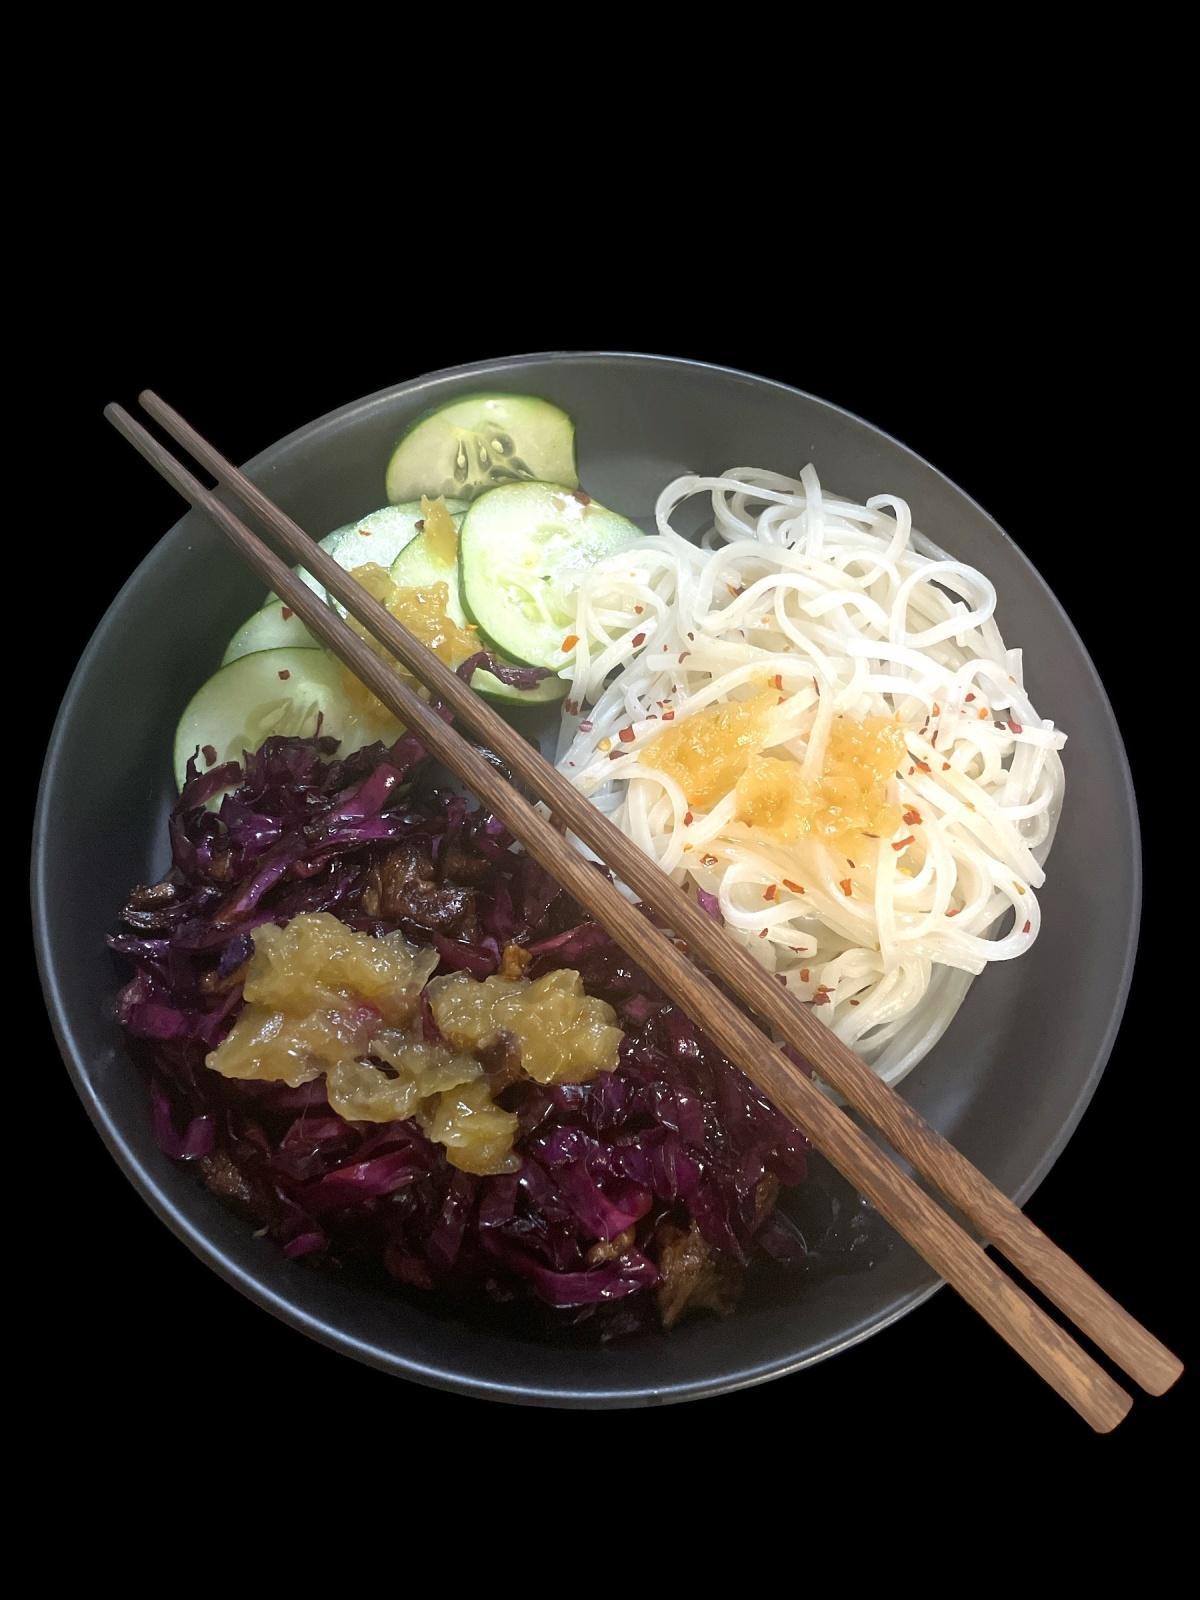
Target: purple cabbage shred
[{"x": 675, "y": 1138}]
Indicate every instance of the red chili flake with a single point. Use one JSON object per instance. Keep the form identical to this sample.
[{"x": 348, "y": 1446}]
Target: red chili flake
[
  {"x": 1015, "y": 727},
  {"x": 770, "y": 891},
  {"x": 668, "y": 716},
  {"x": 209, "y": 753},
  {"x": 849, "y": 863},
  {"x": 637, "y": 610},
  {"x": 933, "y": 741},
  {"x": 954, "y": 912},
  {"x": 365, "y": 533},
  {"x": 911, "y": 818},
  {"x": 692, "y": 637},
  {"x": 820, "y": 999},
  {"x": 626, "y": 735},
  {"x": 794, "y": 887},
  {"x": 615, "y": 755},
  {"x": 1027, "y": 927},
  {"x": 638, "y": 638},
  {"x": 937, "y": 710},
  {"x": 683, "y": 655},
  {"x": 688, "y": 819},
  {"x": 845, "y": 886},
  {"x": 824, "y": 988},
  {"x": 777, "y": 680},
  {"x": 762, "y": 933},
  {"x": 903, "y": 844},
  {"x": 569, "y": 642},
  {"x": 911, "y": 770},
  {"x": 945, "y": 766},
  {"x": 586, "y": 725},
  {"x": 854, "y": 1002},
  {"x": 708, "y": 860},
  {"x": 921, "y": 766},
  {"x": 804, "y": 974},
  {"x": 970, "y": 697},
  {"x": 284, "y": 673},
  {"x": 984, "y": 713},
  {"x": 286, "y": 613},
  {"x": 581, "y": 497}
]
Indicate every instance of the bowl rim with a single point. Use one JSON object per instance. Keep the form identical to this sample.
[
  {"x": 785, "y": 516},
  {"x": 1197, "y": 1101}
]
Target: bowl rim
[{"x": 324, "y": 1330}]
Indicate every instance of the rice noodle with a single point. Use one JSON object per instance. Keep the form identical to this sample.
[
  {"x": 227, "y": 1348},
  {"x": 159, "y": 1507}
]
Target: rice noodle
[{"x": 859, "y": 615}]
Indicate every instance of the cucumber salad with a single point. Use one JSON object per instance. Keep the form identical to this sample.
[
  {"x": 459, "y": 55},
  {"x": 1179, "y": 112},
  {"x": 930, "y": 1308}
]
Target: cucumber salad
[{"x": 483, "y": 544}]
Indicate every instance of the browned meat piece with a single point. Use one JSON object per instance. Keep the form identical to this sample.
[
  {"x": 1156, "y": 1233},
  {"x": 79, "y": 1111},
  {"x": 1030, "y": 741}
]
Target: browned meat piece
[
  {"x": 224, "y": 1179},
  {"x": 402, "y": 888},
  {"x": 148, "y": 897},
  {"x": 609, "y": 1250},
  {"x": 502, "y": 1062},
  {"x": 514, "y": 961},
  {"x": 765, "y": 1197},
  {"x": 694, "y": 1277},
  {"x": 460, "y": 866},
  {"x": 152, "y": 906}
]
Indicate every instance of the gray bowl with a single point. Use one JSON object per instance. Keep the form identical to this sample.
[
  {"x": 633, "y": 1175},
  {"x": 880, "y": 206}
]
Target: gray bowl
[{"x": 1007, "y": 1083}]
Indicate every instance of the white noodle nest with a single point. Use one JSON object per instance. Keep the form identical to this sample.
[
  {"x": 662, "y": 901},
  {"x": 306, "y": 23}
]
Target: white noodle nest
[{"x": 858, "y": 615}]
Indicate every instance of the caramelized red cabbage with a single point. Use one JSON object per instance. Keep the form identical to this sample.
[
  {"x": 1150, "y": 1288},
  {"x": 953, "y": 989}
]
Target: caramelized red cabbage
[{"x": 674, "y": 1135}]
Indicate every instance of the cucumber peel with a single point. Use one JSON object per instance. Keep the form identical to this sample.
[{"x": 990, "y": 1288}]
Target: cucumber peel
[
  {"x": 418, "y": 566},
  {"x": 523, "y": 549},
  {"x": 285, "y": 691}
]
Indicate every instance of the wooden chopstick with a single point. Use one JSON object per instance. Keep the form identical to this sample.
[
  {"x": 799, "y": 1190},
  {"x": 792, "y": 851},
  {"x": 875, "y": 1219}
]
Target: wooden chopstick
[
  {"x": 1147, "y": 1361},
  {"x": 952, "y": 1253}
]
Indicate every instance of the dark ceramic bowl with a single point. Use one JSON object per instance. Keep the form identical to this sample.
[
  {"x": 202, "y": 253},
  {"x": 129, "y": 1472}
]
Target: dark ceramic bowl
[{"x": 1008, "y": 1081}]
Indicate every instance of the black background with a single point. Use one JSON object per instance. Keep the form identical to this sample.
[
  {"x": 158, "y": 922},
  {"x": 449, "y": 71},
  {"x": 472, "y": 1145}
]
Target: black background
[{"x": 1027, "y": 365}]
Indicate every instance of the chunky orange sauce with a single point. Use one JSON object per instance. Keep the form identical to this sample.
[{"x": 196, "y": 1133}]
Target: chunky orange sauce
[
  {"x": 441, "y": 536},
  {"x": 565, "y": 1036},
  {"x": 849, "y": 796},
  {"x": 322, "y": 999},
  {"x": 708, "y": 751},
  {"x": 423, "y": 611}
]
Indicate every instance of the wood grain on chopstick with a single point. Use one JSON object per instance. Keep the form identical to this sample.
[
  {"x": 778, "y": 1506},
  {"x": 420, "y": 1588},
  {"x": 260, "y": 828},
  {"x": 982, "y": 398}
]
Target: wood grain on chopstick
[{"x": 942, "y": 1243}]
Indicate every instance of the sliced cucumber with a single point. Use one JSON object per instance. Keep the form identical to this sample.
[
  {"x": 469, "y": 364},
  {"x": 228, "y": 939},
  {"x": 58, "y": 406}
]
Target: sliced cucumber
[
  {"x": 377, "y": 538},
  {"x": 522, "y": 551},
  {"x": 273, "y": 692},
  {"x": 480, "y": 441},
  {"x": 272, "y": 628},
  {"x": 418, "y": 566}
]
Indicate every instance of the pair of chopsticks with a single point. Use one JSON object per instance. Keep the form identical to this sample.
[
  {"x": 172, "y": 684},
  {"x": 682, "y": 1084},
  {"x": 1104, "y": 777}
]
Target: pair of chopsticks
[{"x": 931, "y": 1231}]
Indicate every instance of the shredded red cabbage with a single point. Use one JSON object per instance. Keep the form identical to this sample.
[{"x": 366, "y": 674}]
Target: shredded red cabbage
[{"x": 674, "y": 1137}]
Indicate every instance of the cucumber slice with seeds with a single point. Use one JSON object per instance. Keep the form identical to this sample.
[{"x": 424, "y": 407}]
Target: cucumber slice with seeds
[
  {"x": 274, "y": 692},
  {"x": 416, "y": 567},
  {"x": 522, "y": 551},
  {"x": 378, "y": 538},
  {"x": 480, "y": 441}
]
